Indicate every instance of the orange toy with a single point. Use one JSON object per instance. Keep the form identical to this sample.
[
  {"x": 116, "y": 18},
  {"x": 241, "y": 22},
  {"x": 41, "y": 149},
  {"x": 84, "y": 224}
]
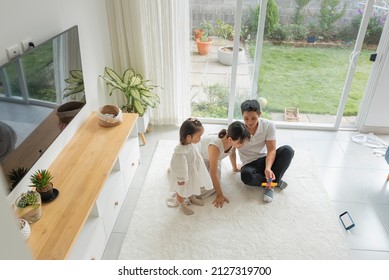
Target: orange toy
[{"x": 269, "y": 184}]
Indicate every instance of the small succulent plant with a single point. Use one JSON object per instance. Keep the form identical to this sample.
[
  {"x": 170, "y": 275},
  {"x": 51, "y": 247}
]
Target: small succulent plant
[
  {"x": 41, "y": 179},
  {"x": 27, "y": 198}
]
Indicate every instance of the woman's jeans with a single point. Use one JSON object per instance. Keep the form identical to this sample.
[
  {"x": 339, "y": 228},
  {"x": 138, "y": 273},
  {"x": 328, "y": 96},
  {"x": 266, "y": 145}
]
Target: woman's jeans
[{"x": 253, "y": 173}]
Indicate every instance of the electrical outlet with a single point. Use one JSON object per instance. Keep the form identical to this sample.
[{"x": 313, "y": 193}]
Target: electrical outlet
[
  {"x": 13, "y": 52},
  {"x": 26, "y": 44}
]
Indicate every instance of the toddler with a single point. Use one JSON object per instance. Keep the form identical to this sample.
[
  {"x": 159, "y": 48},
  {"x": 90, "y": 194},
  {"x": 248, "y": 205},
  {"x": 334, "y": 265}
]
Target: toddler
[{"x": 188, "y": 172}]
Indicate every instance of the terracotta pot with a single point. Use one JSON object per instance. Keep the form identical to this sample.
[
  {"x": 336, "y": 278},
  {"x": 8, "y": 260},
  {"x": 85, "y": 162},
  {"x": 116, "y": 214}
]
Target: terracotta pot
[
  {"x": 198, "y": 33},
  {"x": 203, "y": 47}
]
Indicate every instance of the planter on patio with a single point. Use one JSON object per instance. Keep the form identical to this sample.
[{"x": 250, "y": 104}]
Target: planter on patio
[
  {"x": 203, "y": 47},
  {"x": 224, "y": 55}
]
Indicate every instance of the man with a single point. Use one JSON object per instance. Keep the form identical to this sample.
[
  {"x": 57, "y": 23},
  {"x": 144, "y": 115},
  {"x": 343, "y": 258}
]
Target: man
[{"x": 261, "y": 160}]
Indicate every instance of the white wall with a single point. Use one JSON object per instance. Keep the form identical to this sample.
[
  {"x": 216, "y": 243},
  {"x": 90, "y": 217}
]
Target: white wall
[{"x": 41, "y": 20}]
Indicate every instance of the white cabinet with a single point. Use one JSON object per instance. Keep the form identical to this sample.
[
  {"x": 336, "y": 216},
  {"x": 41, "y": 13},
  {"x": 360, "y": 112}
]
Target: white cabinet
[
  {"x": 93, "y": 174},
  {"x": 91, "y": 242},
  {"x": 111, "y": 199},
  {"x": 97, "y": 230},
  {"x": 129, "y": 160}
]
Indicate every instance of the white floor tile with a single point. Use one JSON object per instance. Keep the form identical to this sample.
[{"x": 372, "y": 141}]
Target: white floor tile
[
  {"x": 344, "y": 184},
  {"x": 325, "y": 152},
  {"x": 112, "y": 250},
  {"x": 359, "y": 156},
  {"x": 377, "y": 188},
  {"x": 383, "y": 213},
  {"x": 369, "y": 233},
  {"x": 369, "y": 255}
]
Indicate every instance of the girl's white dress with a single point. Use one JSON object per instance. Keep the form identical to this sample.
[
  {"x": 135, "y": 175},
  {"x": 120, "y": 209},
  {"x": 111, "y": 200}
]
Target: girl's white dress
[{"x": 187, "y": 165}]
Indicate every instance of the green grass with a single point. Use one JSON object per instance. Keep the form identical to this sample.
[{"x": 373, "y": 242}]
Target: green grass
[{"x": 311, "y": 79}]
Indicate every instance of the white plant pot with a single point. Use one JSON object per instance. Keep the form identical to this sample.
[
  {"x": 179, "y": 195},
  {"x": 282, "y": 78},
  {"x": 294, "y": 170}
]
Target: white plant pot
[
  {"x": 25, "y": 229},
  {"x": 143, "y": 122},
  {"x": 224, "y": 55}
]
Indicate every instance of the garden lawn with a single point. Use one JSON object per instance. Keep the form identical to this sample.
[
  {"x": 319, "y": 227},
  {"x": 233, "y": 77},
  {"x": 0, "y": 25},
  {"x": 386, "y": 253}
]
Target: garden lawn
[{"x": 311, "y": 79}]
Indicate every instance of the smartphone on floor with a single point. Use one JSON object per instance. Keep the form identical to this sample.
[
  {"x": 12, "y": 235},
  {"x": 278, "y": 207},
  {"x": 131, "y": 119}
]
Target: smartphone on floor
[{"x": 347, "y": 221}]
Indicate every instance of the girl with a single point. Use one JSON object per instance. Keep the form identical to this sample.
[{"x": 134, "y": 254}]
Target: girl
[
  {"x": 188, "y": 172},
  {"x": 214, "y": 149}
]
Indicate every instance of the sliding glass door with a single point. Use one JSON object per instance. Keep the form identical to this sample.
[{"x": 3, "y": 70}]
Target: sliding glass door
[{"x": 307, "y": 63}]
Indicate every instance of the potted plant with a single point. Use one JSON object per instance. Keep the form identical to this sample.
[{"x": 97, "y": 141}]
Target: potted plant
[
  {"x": 75, "y": 90},
  {"x": 28, "y": 206},
  {"x": 137, "y": 91},
  {"x": 225, "y": 53},
  {"x": 312, "y": 33},
  {"x": 204, "y": 42},
  {"x": 15, "y": 175},
  {"x": 41, "y": 180},
  {"x": 198, "y": 32},
  {"x": 224, "y": 30}
]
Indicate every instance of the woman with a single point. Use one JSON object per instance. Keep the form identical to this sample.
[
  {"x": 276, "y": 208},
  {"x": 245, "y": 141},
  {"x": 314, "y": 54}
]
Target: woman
[{"x": 214, "y": 149}]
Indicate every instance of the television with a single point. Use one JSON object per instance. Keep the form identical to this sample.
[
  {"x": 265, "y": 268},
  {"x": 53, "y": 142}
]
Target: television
[{"x": 40, "y": 92}]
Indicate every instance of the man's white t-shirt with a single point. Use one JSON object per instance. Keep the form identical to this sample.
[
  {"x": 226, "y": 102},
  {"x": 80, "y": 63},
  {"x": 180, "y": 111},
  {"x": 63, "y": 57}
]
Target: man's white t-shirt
[{"x": 256, "y": 147}]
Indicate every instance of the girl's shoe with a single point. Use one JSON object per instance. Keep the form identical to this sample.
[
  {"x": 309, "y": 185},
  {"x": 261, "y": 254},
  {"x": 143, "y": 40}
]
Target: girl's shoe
[
  {"x": 185, "y": 208},
  {"x": 196, "y": 201}
]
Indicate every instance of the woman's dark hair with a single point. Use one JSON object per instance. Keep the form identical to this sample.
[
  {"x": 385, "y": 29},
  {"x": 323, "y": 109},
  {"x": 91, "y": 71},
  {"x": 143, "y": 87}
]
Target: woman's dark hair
[
  {"x": 189, "y": 127},
  {"x": 238, "y": 131},
  {"x": 250, "y": 106}
]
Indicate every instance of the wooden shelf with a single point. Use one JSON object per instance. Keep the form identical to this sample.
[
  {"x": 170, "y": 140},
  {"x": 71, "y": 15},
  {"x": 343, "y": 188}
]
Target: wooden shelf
[{"x": 80, "y": 172}]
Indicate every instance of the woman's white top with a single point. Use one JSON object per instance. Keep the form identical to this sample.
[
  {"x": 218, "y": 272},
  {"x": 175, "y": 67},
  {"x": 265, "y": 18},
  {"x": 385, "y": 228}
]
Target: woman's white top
[
  {"x": 188, "y": 166},
  {"x": 209, "y": 140}
]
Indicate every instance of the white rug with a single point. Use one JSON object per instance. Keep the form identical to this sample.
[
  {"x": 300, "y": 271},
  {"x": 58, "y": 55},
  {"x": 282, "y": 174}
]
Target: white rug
[{"x": 299, "y": 224}]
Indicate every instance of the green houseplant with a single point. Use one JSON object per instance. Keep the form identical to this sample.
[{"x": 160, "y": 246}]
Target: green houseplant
[
  {"x": 76, "y": 92},
  {"x": 75, "y": 84},
  {"x": 137, "y": 91},
  {"x": 204, "y": 42},
  {"x": 41, "y": 180}
]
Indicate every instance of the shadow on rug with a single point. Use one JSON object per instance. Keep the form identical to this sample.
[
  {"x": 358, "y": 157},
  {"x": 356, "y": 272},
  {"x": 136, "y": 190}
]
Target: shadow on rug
[{"x": 300, "y": 223}]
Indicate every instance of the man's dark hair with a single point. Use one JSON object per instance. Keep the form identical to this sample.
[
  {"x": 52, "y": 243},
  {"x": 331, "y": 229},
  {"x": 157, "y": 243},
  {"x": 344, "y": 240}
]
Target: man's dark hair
[{"x": 250, "y": 106}]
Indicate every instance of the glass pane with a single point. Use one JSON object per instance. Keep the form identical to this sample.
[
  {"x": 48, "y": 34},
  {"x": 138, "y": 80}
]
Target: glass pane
[
  {"x": 39, "y": 74},
  {"x": 305, "y": 61},
  {"x": 364, "y": 65},
  {"x": 9, "y": 83},
  {"x": 210, "y": 74}
]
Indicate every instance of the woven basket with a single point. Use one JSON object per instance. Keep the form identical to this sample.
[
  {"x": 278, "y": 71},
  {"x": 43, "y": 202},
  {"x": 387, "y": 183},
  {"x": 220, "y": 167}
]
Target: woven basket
[{"x": 110, "y": 115}]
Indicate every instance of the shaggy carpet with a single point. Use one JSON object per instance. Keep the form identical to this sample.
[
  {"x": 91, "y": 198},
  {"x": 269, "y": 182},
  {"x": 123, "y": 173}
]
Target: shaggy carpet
[{"x": 300, "y": 223}]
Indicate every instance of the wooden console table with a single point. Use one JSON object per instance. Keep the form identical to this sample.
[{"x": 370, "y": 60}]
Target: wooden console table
[{"x": 81, "y": 172}]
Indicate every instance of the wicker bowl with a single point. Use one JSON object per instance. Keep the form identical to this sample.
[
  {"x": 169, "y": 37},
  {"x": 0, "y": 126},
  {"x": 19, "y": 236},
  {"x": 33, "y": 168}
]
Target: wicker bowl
[{"x": 110, "y": 115}]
